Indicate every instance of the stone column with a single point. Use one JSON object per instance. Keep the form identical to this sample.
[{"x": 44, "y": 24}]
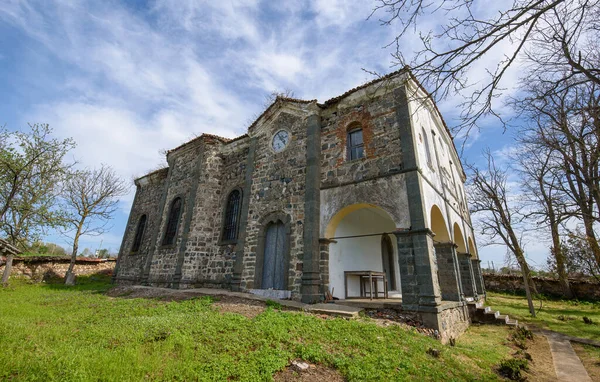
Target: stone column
[
  {"x": 128, "y": 231},
  {"x": 479, "y": 284},
  {"x": 311, "y": 272},
  {"x": 324, "y": 263},
  {"x": 238, "y": 265},
  {"x": 448, "y": 274},
  {"x": 466, "y": 275},
  {"x": 418, "y": 270},
  {"x": 187, "y": 220},
  {"x": 155, "y": 234}
]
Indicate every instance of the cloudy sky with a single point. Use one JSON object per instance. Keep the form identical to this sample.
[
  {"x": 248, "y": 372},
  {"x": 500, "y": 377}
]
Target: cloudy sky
[{"x": 129, "y": 79}]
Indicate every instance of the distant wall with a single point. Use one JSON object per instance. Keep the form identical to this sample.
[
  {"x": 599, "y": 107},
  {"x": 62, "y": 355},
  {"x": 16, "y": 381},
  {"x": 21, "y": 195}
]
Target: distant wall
[
  {"x": 584, "y": 290},
  {"x": 42, "y": 267}
]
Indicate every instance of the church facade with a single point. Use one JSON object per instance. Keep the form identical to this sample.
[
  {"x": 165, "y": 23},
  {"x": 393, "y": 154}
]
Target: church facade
[{"x": 312, "y": 195}]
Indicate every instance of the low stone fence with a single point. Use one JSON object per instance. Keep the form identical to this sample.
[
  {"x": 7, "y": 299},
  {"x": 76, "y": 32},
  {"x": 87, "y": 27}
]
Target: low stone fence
[
  {"x": 44, "y": 267},
  {"x": 582, "y": 289}
]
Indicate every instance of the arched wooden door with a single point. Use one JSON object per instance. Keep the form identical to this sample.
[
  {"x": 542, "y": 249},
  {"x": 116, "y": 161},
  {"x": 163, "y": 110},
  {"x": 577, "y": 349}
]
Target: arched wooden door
[
  {"x": 273, "y": 275},
  {"x": 387, "y": 257}
]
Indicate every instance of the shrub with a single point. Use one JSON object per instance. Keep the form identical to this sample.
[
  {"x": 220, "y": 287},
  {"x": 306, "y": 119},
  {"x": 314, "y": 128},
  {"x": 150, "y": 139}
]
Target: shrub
[{"x": 511, "y": 368}]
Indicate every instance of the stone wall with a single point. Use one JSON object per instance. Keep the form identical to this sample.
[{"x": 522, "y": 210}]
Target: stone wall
[
  {"x": 584, "y": 290},
  {"x": 40, "y": 268},
  {"x": 147, "y": 202},
  {"x": 383, "y": 154},
  {"x": 278, "y": 186}
]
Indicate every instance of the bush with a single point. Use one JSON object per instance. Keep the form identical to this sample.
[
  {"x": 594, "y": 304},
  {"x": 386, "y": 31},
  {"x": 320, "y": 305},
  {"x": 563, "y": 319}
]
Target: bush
[{"x": 511, "y": 368}]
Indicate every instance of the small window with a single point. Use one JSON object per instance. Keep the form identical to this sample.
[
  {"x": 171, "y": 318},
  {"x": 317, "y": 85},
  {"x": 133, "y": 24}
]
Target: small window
[
  {"x": 139, "y": 234},
  {"x": 355, "y": 144},
  {"x": 172, "y": 222},
  {"x": 232, "y": 216}
]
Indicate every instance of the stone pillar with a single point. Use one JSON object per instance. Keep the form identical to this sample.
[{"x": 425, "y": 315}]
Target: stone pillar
[
  {"x": 448, "y": 274},
  {"x": 238, "y": 265},
  {"x": 324, "y": 263},
  {"x": 189, "y": 212},
  {"x": 479, "y": 284},
  {"x": 466, "y": 275},
  {"x": 128, "y": 231},
  {"x": 311, "y": 268},
  {"x": 155, "y": 234},
  {"x": 418, "y": 270}
]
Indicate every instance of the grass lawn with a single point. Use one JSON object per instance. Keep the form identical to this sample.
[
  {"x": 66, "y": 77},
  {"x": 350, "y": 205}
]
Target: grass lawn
[
  {"x": 52, "y": 332},
  {"x": 562, "y": 316}
]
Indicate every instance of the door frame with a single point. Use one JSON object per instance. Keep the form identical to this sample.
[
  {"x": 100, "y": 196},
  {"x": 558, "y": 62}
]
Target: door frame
[
  {"x": 386, "y": 241},
  {"x": 273, "y": 217}
]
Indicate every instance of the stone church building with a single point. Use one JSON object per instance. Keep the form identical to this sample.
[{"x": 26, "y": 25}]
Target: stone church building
[{"x": 366, "y": 181}]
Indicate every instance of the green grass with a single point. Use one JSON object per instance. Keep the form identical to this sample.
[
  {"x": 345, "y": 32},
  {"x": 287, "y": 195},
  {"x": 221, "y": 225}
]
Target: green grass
[
  {"x": 56, "y": 333},
  {"x": 564, "y": 316}
]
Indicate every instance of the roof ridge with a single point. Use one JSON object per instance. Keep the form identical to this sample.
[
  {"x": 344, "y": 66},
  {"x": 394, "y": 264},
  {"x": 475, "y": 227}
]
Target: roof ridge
[{"x": 330, "y": 101}]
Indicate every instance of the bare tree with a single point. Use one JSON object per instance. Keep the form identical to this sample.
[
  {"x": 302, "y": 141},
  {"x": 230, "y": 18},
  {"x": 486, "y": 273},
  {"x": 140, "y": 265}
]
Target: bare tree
[
  {"x": 32, "y": 168},
  {"x": 568, "y": 123},
  {"x": 90, "y": 196},
  {"x": 560, "y": 36},
  {"x": 546, "y": 204},
  {"x": 490, "y": 198}
]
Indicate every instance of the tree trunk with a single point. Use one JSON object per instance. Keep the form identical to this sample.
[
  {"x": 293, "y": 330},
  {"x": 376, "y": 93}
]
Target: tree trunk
[
  {"x": 591, "y": 239},
  {"x": 559, "y": 256},
  {"x": 7, "y": 269},
  {"x": 528, "y": 294},
  {"x": 70, "y": 276},
  {"x": 529, "y": 285}
]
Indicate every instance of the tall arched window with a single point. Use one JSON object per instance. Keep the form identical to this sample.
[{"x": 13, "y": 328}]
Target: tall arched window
[
  {"x": 427, "y": 149},
  {"x": 232, "y": 216},
  {"x": 172, "y": 222},
  {"x": 139, "y": 234},
  {"x": 355, "y": 142}
]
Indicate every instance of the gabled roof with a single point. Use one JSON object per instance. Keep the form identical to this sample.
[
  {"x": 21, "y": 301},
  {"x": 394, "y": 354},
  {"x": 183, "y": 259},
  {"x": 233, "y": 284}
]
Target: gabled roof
[
  {"x": 278, "y": 100},
  {"x": 333, "y": 100}
]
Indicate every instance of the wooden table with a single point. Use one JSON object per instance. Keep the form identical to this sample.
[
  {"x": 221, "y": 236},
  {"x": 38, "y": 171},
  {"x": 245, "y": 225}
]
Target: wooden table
[{"x": 371, "y": 276}]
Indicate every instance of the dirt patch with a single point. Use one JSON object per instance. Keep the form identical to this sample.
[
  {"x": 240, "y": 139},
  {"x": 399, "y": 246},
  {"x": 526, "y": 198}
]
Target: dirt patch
[
  {"x": 590, "y": 360},
  {"x": 245, "y": 307},
  {"x": 162, "y": 294},
  {"x": 224, "y": 304},
  {"x": 314, "y": 373},
  {"x": 541, "y": 368}
]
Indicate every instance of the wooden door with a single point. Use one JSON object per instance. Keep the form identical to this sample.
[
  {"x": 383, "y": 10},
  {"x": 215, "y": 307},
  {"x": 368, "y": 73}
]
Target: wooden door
[
  {"x": 387, "y": 255},
  {"x": 273, "y": 275}
]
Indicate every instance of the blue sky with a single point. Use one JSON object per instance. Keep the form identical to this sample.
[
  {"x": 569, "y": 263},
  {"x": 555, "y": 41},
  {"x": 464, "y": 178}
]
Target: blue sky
[{"x": 129, "y": 79}]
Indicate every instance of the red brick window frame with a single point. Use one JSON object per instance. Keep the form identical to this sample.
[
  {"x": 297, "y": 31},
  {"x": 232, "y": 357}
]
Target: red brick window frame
[{"x": 355, "y": 145}]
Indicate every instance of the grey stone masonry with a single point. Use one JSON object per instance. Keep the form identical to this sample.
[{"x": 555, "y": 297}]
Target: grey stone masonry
[
  {"x": 479, "y": 284},
  {"x": 302, "y": 171},
  {"x": 448, "y": 274},
  {"x": 311, "y": 275},
  {"x": 418, "y": 270},
  {"x": 466, "y": 275}
]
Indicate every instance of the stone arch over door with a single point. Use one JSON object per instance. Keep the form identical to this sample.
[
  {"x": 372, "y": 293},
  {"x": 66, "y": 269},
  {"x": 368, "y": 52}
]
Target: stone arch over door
[{"x": 278, "y": 221}]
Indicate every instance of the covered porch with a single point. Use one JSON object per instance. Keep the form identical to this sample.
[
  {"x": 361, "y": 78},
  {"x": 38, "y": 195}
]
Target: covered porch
[{"x": 362, "y": 256}]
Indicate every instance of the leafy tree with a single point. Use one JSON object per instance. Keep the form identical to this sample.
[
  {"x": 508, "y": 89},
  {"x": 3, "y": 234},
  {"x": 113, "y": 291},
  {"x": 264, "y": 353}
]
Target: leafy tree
[
  {"x": 90, "y": 197},
  {"x": 32, "y": 167}
]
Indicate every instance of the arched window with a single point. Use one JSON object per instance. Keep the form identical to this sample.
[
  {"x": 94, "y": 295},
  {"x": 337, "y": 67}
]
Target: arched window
[
  {"x": 427, "y": 149},
  {"x": 232, "y": 216},
  {"x": 355, "y": 143},
  {"x": 172, "y": 222},
  {"x": 139, "y": 234}
]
